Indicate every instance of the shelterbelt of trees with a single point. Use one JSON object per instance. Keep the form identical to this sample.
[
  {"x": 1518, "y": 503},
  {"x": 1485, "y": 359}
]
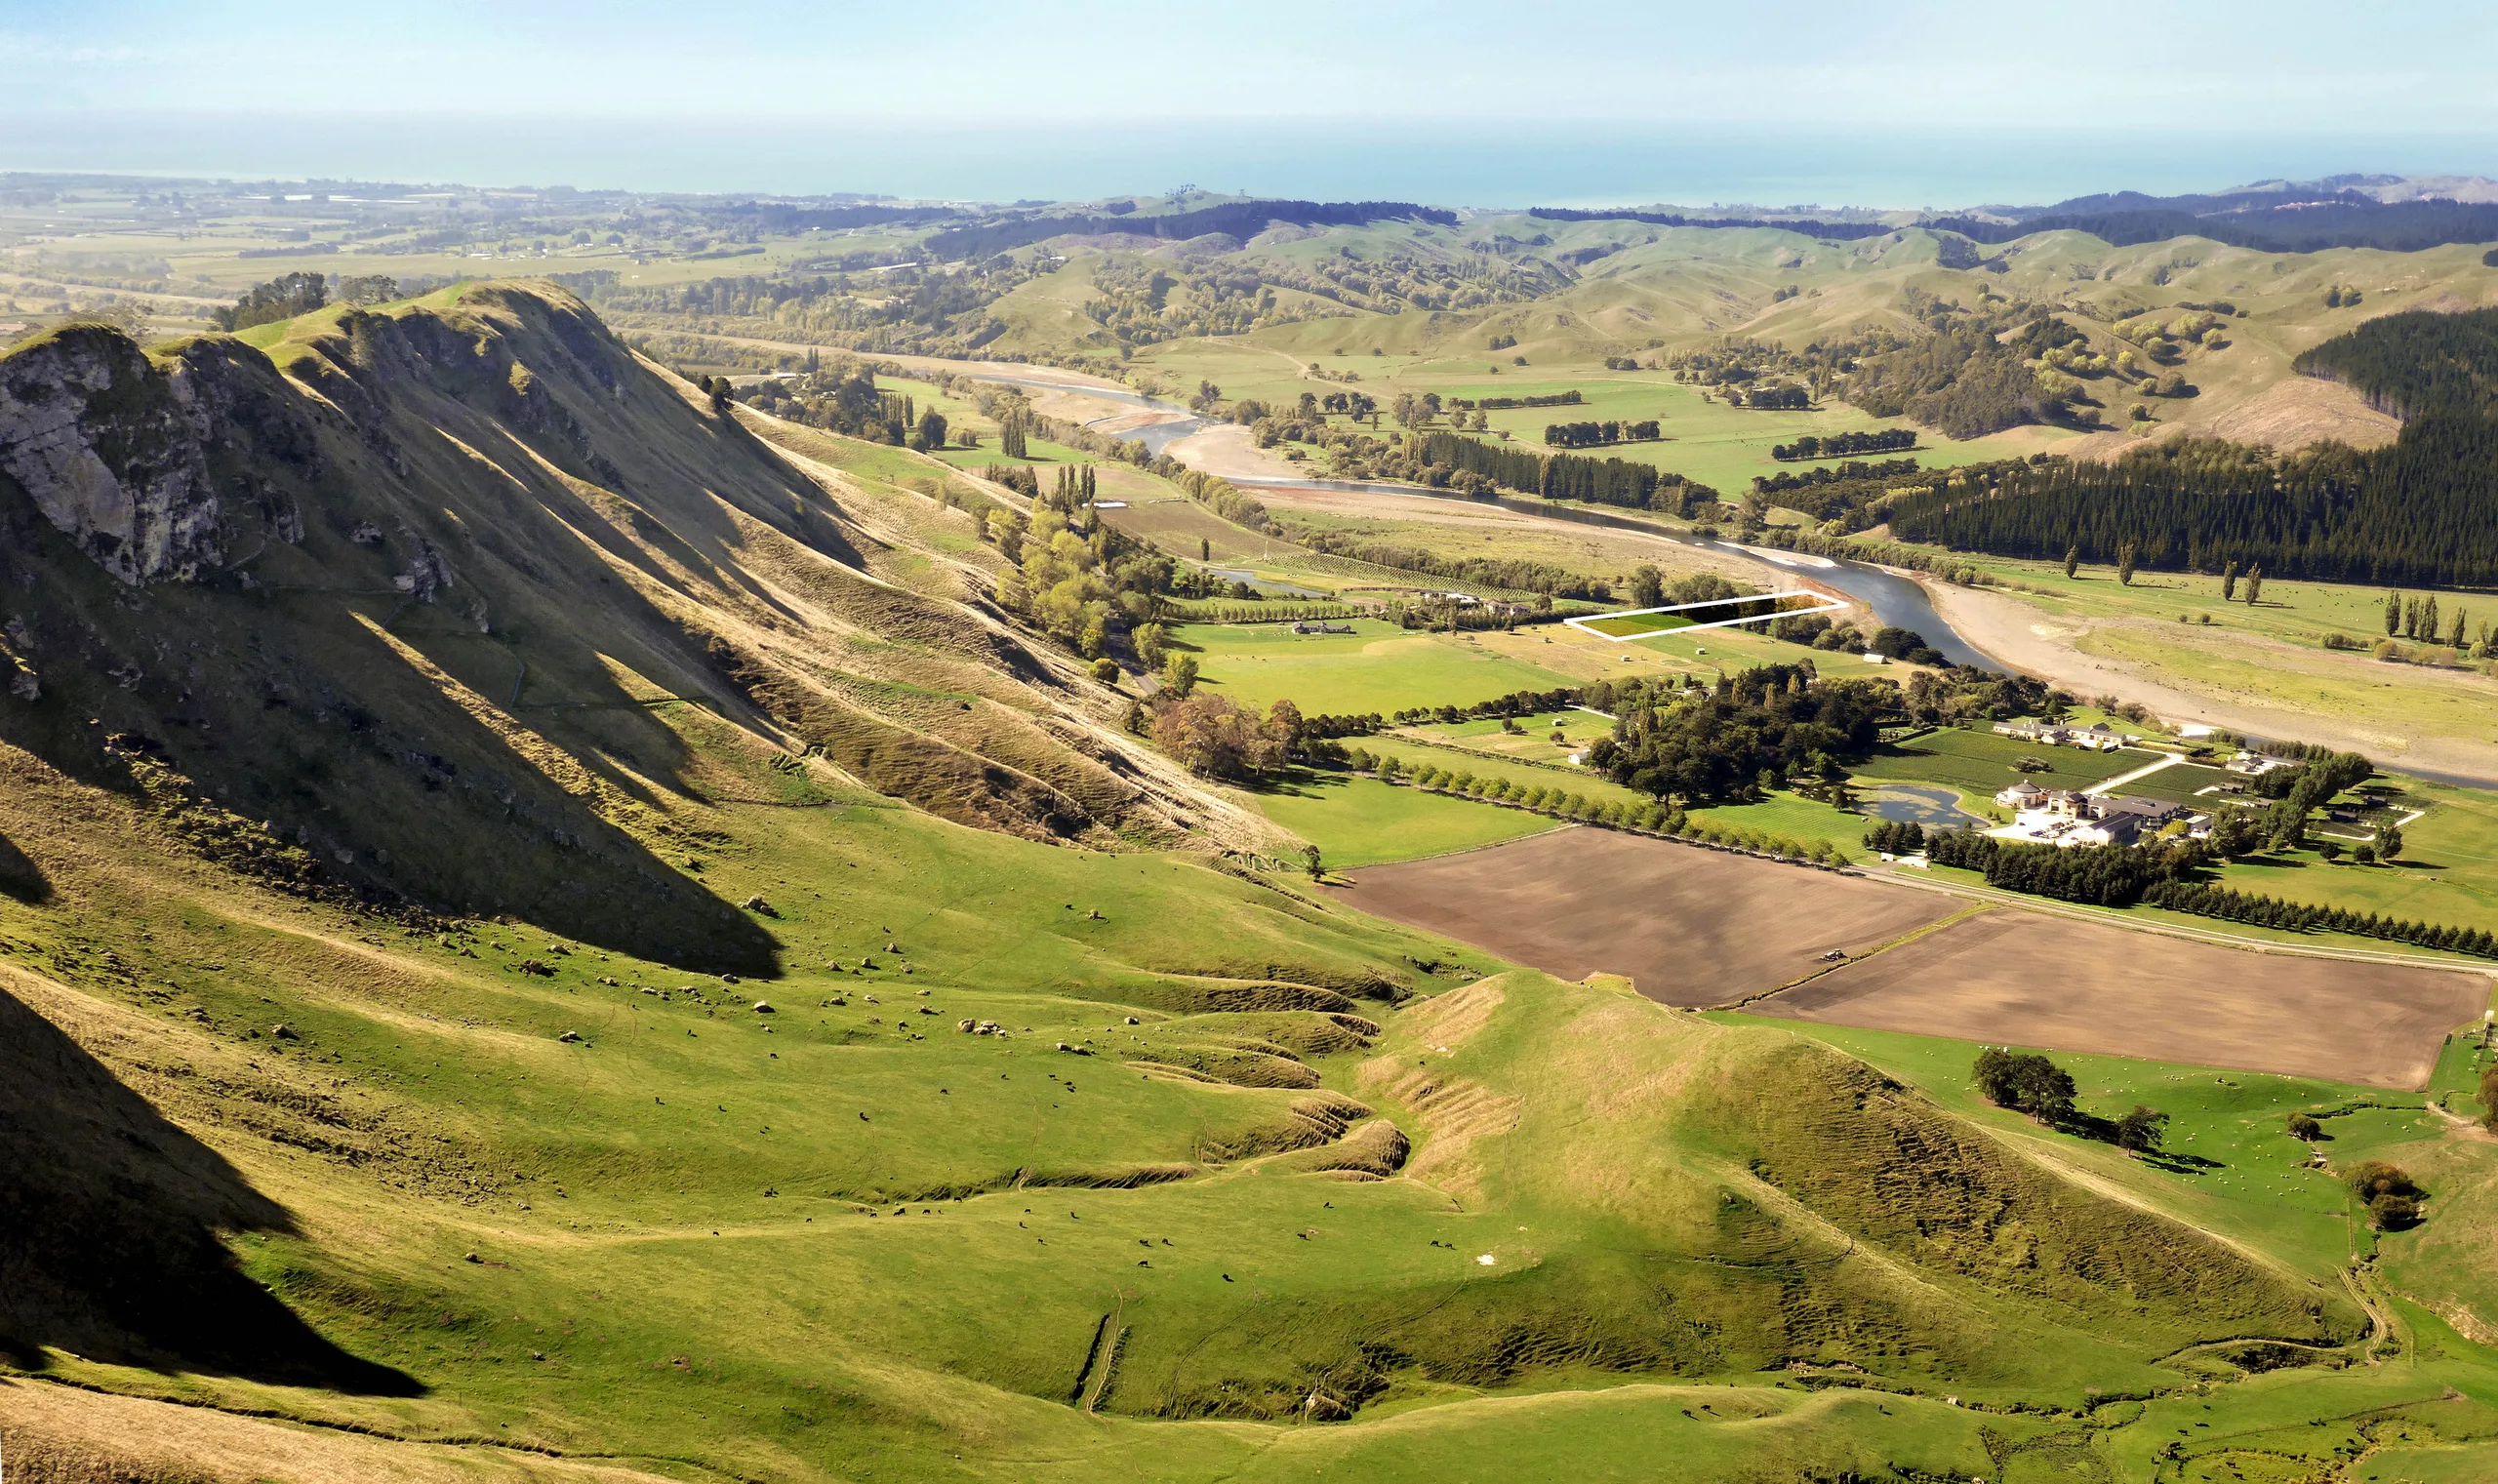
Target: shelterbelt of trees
[{"x": 2423, "y": 511}]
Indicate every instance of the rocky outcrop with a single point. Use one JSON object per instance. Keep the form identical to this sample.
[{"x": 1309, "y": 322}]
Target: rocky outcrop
[{"x": 150, "y": 512}]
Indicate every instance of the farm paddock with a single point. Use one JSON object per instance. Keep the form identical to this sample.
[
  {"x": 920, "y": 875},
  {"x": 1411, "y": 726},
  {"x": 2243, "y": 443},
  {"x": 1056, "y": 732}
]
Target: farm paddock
[
  {"x": 1689, "y": 926},
  {"x": 2025, "y": 979}
]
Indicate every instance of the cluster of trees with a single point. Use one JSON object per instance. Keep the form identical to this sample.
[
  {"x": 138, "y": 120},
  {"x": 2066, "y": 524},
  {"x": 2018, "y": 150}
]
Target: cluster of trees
[
  {"x": 1136, "y": 306},
  {"x": 2392, "y": 1198},
  {"x": 1212, "y": 738},
  {"x": 2030, "y": 1083},
  {"x": 2417, "y": 363},
  {"x": 903, "y": 306},
  {"x": 843, "y": 398},
  {"x": 2026, "y": 1082},
  {"x": 2204, "y": 901},
  {"x": 1780, "y": 396},
  {"x": 1828, "y": 231},
  {"x": 1750, "y": 732},
  {"x": 2416, "y": 618},
  {"x": 1613, "y": 482},
  {"x": 1568, "y": 398},
  {"x": 1513, "y": 704},
  {"x": 282, "y": 297},
  {"x": 2102, "y": 875},
  {"x": 1557, "y": 476},
  {"x": 1599, "y": 434},
  {"x": 1077, "y": 580},
  {"x": 2423, "y": 510},
  {"x": 1900, "y": 837},
  {"x": 1973, "y": 375},
  {"x": 1841, "y": 444},
  {"x": 1853, "y": 471}
]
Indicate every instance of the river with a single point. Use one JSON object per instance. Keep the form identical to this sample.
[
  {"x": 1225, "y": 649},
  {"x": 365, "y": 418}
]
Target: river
[{"x": 1893, "y": 600}]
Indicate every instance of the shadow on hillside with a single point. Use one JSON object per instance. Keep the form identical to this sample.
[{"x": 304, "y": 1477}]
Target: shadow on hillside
[
  {"x": 109, "y": 1218},
  {"x": 20, "y": 879}
]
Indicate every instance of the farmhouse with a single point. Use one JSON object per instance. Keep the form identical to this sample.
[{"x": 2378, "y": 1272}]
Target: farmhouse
[
  {"x": 2253, "y": 764},
  {"x": 2061, "y": 816},
  {"x": 2097, "y": 738}
]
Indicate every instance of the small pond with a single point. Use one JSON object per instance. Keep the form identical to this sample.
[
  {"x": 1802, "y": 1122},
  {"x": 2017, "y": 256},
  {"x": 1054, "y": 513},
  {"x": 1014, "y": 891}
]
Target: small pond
[{"x": 1915, "y": 804}]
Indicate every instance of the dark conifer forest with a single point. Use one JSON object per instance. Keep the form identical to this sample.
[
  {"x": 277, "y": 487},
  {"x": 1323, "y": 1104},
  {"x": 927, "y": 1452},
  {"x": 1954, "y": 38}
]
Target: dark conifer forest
[{"x": 2422, "y": 511}]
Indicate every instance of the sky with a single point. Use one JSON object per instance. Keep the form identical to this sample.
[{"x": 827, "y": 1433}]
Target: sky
[{"x": 980, "y": 97}]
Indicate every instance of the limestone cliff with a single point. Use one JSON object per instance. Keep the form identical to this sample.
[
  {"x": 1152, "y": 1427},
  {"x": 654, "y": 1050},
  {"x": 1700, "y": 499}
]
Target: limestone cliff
[{"x": 435, "y": 595}]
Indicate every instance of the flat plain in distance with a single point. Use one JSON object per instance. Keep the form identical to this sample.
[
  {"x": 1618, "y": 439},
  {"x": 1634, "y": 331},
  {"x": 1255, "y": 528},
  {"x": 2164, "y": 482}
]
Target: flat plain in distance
[
  {"x": 2023, "y": 978},
  {"x": 1689, "y": 926}
]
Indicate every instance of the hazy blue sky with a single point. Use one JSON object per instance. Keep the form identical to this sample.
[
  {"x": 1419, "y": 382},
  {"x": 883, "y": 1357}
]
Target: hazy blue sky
[{"x": 146, "y": 84}]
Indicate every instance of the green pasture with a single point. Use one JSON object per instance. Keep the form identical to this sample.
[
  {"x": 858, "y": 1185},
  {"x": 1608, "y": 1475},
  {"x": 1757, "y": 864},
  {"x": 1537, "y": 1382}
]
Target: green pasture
[
  {"x": 1705, "y": 439},
  {"x": 1584, "y": 781},
  {"x": 1533, "y": 742},
  {"x": 1357, "y": 821},
  {"x": 2295, "y": 610},
  {"x": 2403, "y": 700},
  {"x": 847, "y": 1239},
  {"x": 2447, "y": 872},
  {"x": 2286, "y": 665},
  {"x": 1641, "y": 623},
  {"x": 1727, "y": 650},
  {"x": 1378, "y": 667},
  {"x": 2232, "y": 1169},
  {"x": 1795, "y": 818}
]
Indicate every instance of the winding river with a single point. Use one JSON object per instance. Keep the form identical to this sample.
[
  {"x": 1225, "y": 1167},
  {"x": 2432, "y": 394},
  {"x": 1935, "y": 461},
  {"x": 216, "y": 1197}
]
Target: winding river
[{"x": 1893, "y": 599}]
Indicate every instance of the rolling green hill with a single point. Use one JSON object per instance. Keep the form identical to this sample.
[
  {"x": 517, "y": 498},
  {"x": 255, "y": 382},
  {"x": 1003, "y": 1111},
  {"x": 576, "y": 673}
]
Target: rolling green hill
[{"x": 550, "y": 931}]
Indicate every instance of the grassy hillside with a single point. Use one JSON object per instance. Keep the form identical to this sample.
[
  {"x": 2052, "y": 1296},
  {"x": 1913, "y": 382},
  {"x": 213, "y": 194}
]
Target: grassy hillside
[{"x": 678, "y": 989}]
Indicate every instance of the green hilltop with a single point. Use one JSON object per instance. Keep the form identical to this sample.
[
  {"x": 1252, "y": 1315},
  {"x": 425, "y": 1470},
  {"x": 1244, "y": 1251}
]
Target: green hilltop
[{"x": 551, "y": 929}]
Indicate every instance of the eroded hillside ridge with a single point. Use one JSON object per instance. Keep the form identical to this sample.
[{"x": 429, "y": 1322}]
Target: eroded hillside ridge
[
  {"x": 114, "y": 449},
  {"x": 432, "y": 594}
]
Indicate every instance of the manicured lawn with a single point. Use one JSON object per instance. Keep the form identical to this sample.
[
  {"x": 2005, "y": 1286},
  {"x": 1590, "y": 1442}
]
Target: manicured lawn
[
  {"x": 1982, "y": 762},
  {"x": 2182, "y": 783}
]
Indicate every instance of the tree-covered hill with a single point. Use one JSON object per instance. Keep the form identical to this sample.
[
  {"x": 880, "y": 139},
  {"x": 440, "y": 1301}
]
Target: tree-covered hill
[{"x": 2422, "y": 511}]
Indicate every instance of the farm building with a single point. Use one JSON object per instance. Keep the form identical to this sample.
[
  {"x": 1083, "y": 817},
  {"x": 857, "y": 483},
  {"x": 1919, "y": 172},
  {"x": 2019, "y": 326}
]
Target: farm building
[
  {"x": 2096, "y": 738},
  {"x": 2065, "y": 818},
  {"x": 2023, "y": 795}
]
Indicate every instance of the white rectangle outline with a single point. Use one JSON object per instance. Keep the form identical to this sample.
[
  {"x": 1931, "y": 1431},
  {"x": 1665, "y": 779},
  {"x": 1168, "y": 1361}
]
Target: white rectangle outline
[{"x": 1826, "y": 605}]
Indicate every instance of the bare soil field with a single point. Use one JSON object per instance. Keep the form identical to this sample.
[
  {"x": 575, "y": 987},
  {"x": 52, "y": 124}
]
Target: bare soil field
[
  {"x": 1689, "y": 926},
  {"x": 2022, "y": 979}
]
